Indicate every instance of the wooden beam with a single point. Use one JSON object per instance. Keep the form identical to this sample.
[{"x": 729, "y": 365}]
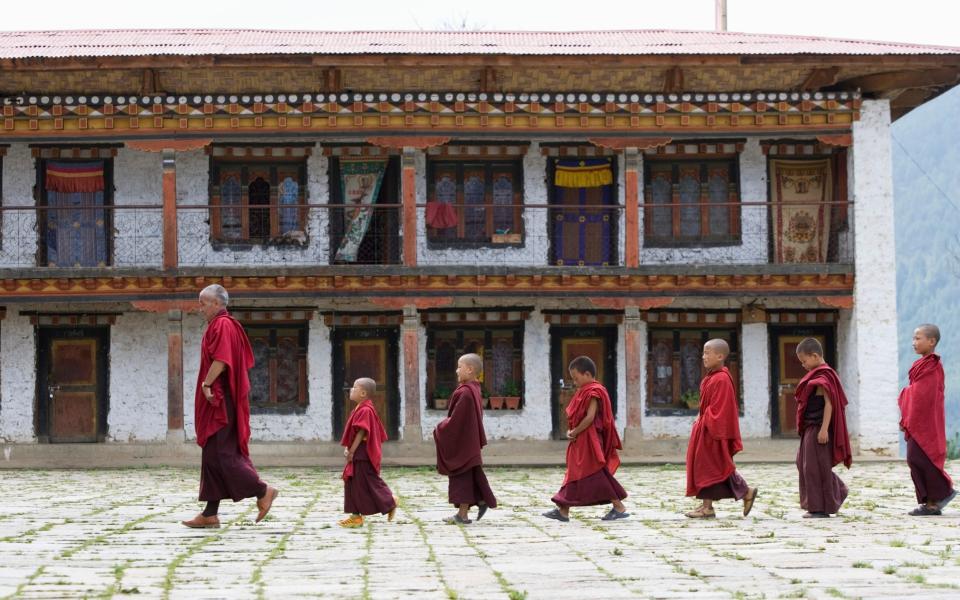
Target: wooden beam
[
  {"x": 908, "y": 100},
  {"x": 819, "y": 78},
  {"x": 673, "y": 80},
  {"x": 488, "y": 80},
  {"x": 895, "y": 80},
  {"x": 333, "y": 79}
]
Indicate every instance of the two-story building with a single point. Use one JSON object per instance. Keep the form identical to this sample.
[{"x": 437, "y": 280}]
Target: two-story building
[{"x": 379, "y": 203}]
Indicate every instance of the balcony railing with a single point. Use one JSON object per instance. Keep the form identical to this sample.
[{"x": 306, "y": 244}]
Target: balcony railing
[{"x": 528, "y": 235}]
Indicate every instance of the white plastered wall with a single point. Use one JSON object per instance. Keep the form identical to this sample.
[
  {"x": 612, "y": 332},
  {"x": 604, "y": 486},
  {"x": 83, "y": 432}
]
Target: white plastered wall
[
  {"x": 138, "y": 236},
  {"x": 18, "y": 246},
  {"x": 138, "y": 378},
  {"x": 18, "y": 378}
]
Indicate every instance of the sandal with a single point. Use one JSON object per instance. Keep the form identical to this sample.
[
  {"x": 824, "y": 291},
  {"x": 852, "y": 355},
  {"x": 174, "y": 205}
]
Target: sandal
[
  {"x": 925, "y": 511},
  {"x": 556, "y": 515},
  {"x": 701, "y": 513},
  {"x": 748, "y": 500}
]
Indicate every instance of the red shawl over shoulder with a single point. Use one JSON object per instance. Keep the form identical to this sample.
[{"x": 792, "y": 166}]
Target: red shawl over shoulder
[
  {"x": 365, "y": 417},
  {"x": 825, "y": 377},
  {"x": 226, "y": 341},
  {"x": 921, "y": 409},
  {"x": 596, "y": 447},
  {"x": 715, "y": 438},
  {"x": 460, "y": 436}
]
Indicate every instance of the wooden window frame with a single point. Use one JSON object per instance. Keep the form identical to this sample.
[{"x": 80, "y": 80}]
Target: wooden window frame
[
  {"x": 487, "y": 328},
  {"x": 489, "y": 163},
  {"x": 272, "y": 405},
  {"x": 733, "y": 363},
  {"x": 273, "y": 166},
  {"x": 654, "y": 165}
]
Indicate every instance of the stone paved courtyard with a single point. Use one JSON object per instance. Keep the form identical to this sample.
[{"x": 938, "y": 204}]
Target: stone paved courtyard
[{"x": 116, "y": 533}]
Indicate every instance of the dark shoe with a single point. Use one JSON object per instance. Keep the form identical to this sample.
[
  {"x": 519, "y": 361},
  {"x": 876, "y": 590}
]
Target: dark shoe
[
  {"x": 925, "y": 511},
  {"x": 614, "y": 514},
  {"x": 816, "y": 515},
  {"x": 202, "y": 522},
  {"x": 556, "y": 515},
  {"x": 266, "y": 502},
  {"x": 457, "y": 520},
  {"x": 749, "y": 499},
  {"x": 481, "y": 510},
  {"x": 943, "y": 503}
]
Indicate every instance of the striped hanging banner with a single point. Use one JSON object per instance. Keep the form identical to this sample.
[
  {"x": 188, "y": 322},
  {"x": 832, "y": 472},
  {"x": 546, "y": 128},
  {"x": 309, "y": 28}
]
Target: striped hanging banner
[
  {"x": 75, "y": 178},
  {"x": 583, "y": 173}
]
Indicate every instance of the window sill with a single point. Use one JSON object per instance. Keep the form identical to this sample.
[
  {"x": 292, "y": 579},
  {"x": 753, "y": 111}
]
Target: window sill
[
  {"x": 436, "y": 245},
  {"x": 648, "y": 243},
  {"x": 286, "y": 409},
  {"x": 220, "y": 246},
  {"x": 676, "y": 412},
  {"x": 486, "y": 412}
]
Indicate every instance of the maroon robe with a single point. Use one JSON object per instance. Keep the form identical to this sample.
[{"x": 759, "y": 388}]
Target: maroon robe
[
  {"x": 364, "y": 492},
  {"x": 459, "y": 439},
  {"x": 715, "y": 439},
  {"x": 592, "y": 458},
  {"x": 924, "y": 428},
  {"x": 223, "y": 425},
  {"x": 821, "y": 490}
]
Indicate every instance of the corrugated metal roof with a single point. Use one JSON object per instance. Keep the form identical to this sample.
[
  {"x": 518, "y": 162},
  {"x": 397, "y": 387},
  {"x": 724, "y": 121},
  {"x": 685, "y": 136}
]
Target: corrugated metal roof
[{"x": 193, "y": 42}]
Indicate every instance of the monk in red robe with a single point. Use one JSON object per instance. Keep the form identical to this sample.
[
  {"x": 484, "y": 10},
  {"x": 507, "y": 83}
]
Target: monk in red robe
[
  {"x": 715, "y": 439},
  {"x": 364, "y": 492},
  {"x": 923, "y": 425},
  {"x": 222, "y": 414},
  {"x": 459, "y": 439},
  {"x": 592, "y": 457},
  {"x": 822, "y": 425}
]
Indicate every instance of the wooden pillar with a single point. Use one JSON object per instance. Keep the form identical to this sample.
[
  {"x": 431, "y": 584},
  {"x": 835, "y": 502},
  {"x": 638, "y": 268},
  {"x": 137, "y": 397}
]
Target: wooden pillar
[
  {"x": 632, "y": 209},
  {"x": 175, "y": 431},
  {"x": 170, "y": 260},
  {"x": 633, "y": 357},
  {"x": 408, "y": 185},
  {"x": 410, "y": 348}
]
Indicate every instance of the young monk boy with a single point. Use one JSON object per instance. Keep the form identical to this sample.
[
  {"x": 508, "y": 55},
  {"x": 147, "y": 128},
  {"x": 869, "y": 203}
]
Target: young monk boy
[
  {"x": 715, "y": 439},
  {"x": 364, "y": 492},
  {"x": 459, "y": 439},
  {"x": 822, "y": 425},
  {"x": 922, "y": 423},
  {"x": 592, "y": 457}
]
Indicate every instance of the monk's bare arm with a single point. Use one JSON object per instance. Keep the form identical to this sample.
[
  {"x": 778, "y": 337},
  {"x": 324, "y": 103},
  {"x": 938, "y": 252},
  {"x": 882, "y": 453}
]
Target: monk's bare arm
[
  {"x": 586, "y": 422},
  {"x": 824, "y": 434},
  {"x": 213, "y": 372},
  {"x": 361, "y": 435}
]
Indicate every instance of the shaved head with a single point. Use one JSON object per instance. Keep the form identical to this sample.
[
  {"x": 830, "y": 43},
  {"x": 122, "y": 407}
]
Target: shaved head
[
  {"x": 474, "y": 362},
  {"x": 931, "y": 331},
  {"x": 810, "y": 346},
  {"x": 367, "y": 385},
  {"x": 216, "y": 292},
  {"x": 719, "y": 346}
]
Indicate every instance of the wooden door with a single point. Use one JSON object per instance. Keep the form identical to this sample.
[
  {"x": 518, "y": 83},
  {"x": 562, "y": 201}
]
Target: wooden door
[
  {"x": 72, "y": 385},
  {"x": 366, "y": 353},
  {"x": 599, "y": 345},
  {"x": 787, "y": 372}
]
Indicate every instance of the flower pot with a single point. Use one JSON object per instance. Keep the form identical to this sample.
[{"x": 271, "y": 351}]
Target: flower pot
[
  {"x": 496, "y": 402},
  {"x": 440, "y": 403},
  {"x": 506, "y": 238},
  {"x": 512, "y": 402}
]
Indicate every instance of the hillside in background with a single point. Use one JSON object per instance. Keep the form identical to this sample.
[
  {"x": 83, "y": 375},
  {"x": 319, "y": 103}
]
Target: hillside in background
[{"x": 926, "y": 175}]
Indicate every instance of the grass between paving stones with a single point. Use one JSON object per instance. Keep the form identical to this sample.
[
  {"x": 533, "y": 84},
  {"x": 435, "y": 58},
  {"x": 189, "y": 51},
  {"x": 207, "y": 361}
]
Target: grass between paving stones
[
  {"x": 256, "y": 578},
  {"x": 431, "y": 555},
  {"x": 179, "y": 559}
]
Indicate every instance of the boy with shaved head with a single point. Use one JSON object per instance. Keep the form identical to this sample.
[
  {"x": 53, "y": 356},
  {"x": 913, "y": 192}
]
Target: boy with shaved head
[
  {"x": 923, "y": 425},
  {"x": 822, "y": 425},
  {"x": 715, "y": 439},
  {"x": 364, "y": 492},
  {"x": 459, "y": 439}
]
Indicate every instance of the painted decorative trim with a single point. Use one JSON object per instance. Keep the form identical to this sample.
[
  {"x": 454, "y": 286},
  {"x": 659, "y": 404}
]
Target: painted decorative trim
[
  {"x": 273, "y": 316},
  {"x": 359, "y": 150},
  {"x": 423, "y": 112},
  {"x": 163, "y": 145},
  {"x": 586, "y": 319},
  {"x": 575, "y": 151},
  {"x": 691, "y": 318},
  {"x": 794, "y": 317},
  {"x": 240, "y": 151},
  {"x": 472, "y": 317},
  {"x": 478, "y": 150},
  {"x": 362, "y": 320},
  {"x": 700, "y": 149},
  {"x": 73, "y": 152},
  {"x": 799, "y": 148},
  {"x": 72, "y": 319}
]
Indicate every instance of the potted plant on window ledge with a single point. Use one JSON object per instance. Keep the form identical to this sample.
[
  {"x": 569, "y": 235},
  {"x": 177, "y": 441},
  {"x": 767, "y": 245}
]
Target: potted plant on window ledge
[
  {"x": 486, "y": 397},
  {"x": 512, "y": 395},
  {"x": 691, "y": 398},
  {"x": 441, "y": 396},
  {"x": 503, "y": 236},
  {"x": 496, "y": 402}
]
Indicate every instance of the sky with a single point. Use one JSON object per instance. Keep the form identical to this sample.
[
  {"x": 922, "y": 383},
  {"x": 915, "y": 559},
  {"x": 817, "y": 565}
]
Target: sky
[{"x": 917, "y": 21}]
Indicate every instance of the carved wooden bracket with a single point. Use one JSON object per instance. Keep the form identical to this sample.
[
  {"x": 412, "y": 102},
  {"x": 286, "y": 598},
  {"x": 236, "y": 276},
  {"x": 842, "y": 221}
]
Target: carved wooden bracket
[
  {"x": 401, "y": 142},
  {"x": 836, "y": 301},
  {"x": 639, "y": 143},
  {"x": 844, "y": 140},
  {"x": 399, "y": 302},
  {"x": 181, "y": 145},
  {"x": 640, "y": 303}
]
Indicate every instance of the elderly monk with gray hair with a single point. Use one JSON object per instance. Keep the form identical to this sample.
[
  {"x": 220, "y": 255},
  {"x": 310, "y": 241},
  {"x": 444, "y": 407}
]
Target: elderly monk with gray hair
[{"x": 222, "y": 414}]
